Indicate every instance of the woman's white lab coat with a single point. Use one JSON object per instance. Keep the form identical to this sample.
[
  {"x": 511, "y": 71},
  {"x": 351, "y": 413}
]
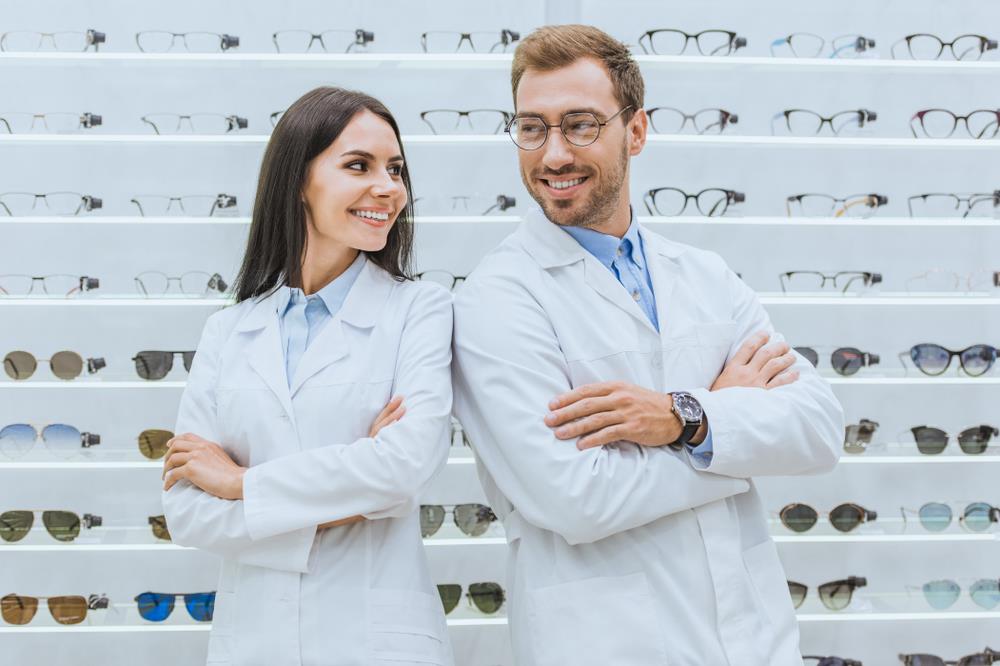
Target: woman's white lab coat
[{"x": 288, "y": 594}]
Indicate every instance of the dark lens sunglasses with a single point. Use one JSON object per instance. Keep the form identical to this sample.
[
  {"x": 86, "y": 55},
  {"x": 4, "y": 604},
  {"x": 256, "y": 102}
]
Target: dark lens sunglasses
[
  {"x": 157, "y": 364},
  {"x": 844, "y": 517},
  {"x": 486, "y": 597},
  {"x": 835, "y": 595},
  {"x": 157, "y": 606},
  {"x": 846, "y": 361},
  {"x": 472, "y": 519},
  {"x": 61, "y": 525},
  {"x": 933, "y": 359}
]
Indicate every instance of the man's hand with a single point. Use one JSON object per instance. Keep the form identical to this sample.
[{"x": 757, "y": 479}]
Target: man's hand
[
  {"x": 203, "y": 463},
  {"x": 754, "y": 365},
  {"x": 391, "y": 413},
  {"x": 606, "y": 412},
  {"x": 610, "y": 411}
]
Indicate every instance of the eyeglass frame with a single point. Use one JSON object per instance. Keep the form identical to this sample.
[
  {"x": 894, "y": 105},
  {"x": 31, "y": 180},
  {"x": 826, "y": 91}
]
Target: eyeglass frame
[
  {"x": 735, "y": 41},
  {"x": 728, "y": 118},
  {"x": 868, "y": 278},
  {"x": 226, "y": 41},
  {"x": 860, "y": 44},
  {"x": 507, "y": 37},
  {"x": 88, "y": 203},
  {"x": 85, "y": 283},
  {"x": 983, "y": 196},
  {"x": 855, "y": 199},
  {"x": 600, "y": 126},
  {"x": 985, "y": 44},
  {"x": 864, "y": 115},
  {"x": 93, "y": 37},
  {"x": 506, "y": 115},
  {"x": 732, "y": 197},
  {"x": 87, "y": 119},
  {"x": 919, "y": 116},
  {"x": 234, "y": 121},
  {"x": 362, "y": 38}
]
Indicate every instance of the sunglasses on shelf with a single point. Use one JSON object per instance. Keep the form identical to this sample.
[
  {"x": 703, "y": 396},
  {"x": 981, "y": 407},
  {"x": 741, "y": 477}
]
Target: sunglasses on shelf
[
  {"x": 844, "y": 517},
  {"x": 157, "y": 606},
  {"x": 17, "y": 439},
  {"x": 835, "y": 595},
  {"x": 72, "y": 609},
  {"x": 984, "y": 658},
  {"x": 858, "y": 436},
  {"x": 64, "y": 365},
  {"x": 973, "y": 441},
  {"x": 157, "y": 364},
  {"x": 472, "y": 519},
  {"x": 829, "y": 661},
  {"x": 937, "y": 516},
  {"x": 933, "y": 359},
  {"x": 846, "y": 361},
  {"x": 153, "y": 443},
  {"x": 486, "y": 597},
  {"x": 942, "y": 594},
  {"x": 61, "y": 525},
  {"x": 159, "y": 527}
]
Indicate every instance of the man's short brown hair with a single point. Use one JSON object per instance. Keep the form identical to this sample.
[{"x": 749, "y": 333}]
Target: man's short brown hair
[{"x": 554, "y": 46}]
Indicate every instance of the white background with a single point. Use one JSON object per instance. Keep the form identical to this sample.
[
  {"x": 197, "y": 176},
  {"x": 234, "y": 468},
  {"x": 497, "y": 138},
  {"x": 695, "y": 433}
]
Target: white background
[{"x": 120, "y": 159}]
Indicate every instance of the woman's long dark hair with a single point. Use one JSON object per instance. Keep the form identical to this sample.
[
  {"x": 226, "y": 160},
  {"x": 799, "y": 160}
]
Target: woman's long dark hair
[{"x": 278, "y": 231}]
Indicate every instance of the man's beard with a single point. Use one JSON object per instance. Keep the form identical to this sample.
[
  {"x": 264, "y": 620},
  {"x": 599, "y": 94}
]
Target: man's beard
[{"x": 598, "y": 207}]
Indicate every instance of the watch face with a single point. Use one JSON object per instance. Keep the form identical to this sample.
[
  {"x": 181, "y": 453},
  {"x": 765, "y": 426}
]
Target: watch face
[{"x": 688, "y": 408}]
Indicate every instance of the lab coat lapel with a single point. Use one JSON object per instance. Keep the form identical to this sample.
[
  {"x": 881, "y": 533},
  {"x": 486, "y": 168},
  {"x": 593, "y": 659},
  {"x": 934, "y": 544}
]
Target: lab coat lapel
[
  {"x": 264, "y": 352},
  {"x": 661, "y": 257},
  {"x": 552, "y": 247},
  {"x": 360, "y": 309}
]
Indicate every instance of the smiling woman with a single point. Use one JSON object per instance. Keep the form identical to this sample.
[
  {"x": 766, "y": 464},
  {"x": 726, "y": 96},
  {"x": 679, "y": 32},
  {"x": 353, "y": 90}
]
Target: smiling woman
[{"x": 299, "y": 462}]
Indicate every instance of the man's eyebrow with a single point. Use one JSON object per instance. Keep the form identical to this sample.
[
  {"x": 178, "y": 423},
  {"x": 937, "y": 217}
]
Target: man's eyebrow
[
  {"x": 368, "y": 156},
  {"x": 584, "y": 109}
]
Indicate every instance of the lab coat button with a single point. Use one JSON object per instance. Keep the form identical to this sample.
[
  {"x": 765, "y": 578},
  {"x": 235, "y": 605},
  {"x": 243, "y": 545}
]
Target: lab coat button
[{"x": 635, "y": 295}]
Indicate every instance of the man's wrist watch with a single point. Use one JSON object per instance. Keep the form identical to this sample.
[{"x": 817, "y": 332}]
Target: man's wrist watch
[{"x": 687, "y": 408}]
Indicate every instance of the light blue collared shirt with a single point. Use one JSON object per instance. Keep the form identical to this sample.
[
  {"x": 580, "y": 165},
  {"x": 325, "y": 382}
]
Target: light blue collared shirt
[
  {"x": 626, "y": 259},
  {"x": 302, "y": 317}
]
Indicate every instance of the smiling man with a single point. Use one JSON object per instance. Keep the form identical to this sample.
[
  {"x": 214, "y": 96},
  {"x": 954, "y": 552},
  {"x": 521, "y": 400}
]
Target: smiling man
[{"x": 620, "y": 397}]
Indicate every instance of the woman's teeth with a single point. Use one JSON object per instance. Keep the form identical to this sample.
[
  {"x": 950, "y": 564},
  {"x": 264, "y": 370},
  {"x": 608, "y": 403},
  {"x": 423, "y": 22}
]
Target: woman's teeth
[
  {"x": 563, "y": 184},
  {"x": 371, "y": 215}
]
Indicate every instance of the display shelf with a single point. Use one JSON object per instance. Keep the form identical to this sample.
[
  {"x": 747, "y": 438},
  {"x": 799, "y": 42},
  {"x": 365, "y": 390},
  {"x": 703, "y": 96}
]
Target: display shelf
[
  {"x": 502, "y": 139},
  {"x": 500, "y": 61},
  {"x": 748, "y": 221}
]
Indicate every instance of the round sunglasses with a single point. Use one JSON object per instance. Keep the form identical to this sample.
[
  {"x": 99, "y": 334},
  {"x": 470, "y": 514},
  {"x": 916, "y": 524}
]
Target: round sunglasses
[
  {"x": 64, "y": 365},
  {"x": 933, "y": 359},
  {"x": 844, "y": 517}
]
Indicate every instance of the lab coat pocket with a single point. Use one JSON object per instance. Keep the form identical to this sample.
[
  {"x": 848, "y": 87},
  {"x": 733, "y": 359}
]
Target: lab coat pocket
[
  {"x": 406, "y": 627},
  {"x": 768, "y": 577},
  {"x": 596, "y": 622},
  {"x": 220, "y": 640}
]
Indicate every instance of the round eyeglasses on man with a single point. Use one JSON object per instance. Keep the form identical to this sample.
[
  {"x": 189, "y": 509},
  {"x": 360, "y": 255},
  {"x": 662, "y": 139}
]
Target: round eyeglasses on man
[{"x": 579, "y": 128}]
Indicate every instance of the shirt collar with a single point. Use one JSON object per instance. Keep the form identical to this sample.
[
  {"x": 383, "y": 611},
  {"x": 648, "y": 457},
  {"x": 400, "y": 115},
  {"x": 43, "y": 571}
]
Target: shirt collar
[
  {"x": 604, "y": 247},
  {"x": 332, "y": 295}
]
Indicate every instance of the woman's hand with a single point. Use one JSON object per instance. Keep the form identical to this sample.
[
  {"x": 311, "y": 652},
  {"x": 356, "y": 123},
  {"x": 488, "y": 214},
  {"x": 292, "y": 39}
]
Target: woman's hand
[
  {"x": 389, "y": 414},
  {"x": 203, "y": 463}
]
